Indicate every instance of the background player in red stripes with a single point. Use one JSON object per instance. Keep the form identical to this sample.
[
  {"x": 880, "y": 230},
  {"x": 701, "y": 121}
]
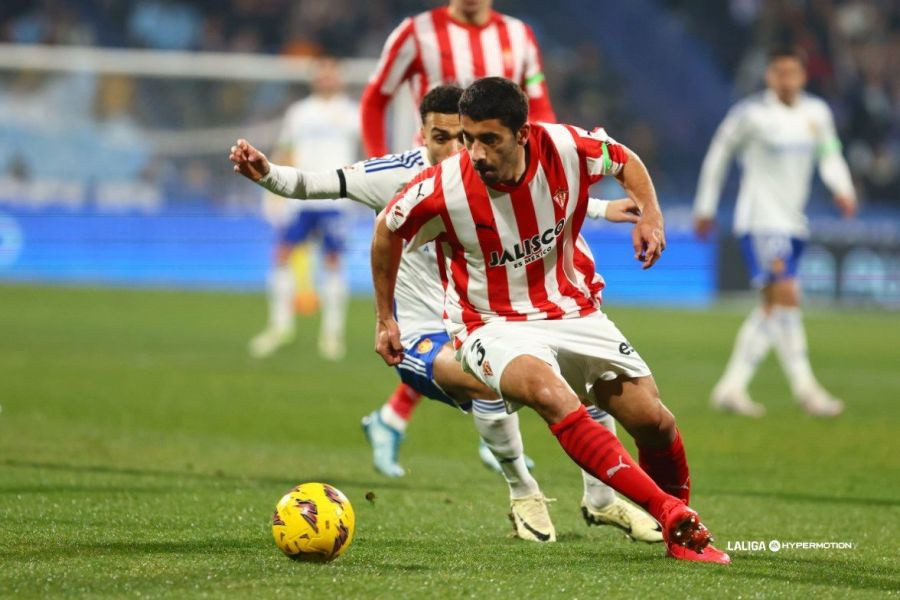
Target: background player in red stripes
[
  {"x": 522, "y": 298},
  {"x": 457, "y": 43}
]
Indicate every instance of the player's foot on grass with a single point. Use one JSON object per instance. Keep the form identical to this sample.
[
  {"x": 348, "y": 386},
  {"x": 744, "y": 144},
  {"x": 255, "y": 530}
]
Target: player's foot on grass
[
  {"x": 385, "y": 440},
  {"x": 270, "y": 340},
  {"x": 636, "y": 524},
  {"x": 530, "y": 518},
  {"x": 331, "y": 348},
  {"x": 819, "y": 403},
  {"x": 710, "y": 554},
  {"x": 491, "y": 462},
  {"x": 737, "y": 401},
  {"x": 682, "y": 527}
]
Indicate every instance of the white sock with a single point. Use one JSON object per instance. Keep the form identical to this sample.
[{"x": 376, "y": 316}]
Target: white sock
[
  {"x": 790, "y": 345},
  {"x": 500, "y": 431},
  {"x": 334, "y": 304},
  {"x": 598, "y": 494},
  {"x": 281, "y": 298},
  {"x": 392, "y": 419},
  {"x": 751, "y": 345}
]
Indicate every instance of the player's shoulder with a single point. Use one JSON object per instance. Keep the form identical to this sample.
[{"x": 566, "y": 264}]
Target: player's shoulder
[
  {"x": 748, "y": 105},
  {"x": 509, "y": 20},
  {"x": 814, "y": 104}
]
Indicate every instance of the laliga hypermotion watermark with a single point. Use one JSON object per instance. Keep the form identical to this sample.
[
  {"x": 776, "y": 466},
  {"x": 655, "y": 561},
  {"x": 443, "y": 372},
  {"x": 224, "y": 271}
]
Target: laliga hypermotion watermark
[{"x": 779, "y": 545}]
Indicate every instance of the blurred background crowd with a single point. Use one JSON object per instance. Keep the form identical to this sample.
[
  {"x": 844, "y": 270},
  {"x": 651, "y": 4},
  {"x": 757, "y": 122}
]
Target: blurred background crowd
[{"x": 125, "y": 124}]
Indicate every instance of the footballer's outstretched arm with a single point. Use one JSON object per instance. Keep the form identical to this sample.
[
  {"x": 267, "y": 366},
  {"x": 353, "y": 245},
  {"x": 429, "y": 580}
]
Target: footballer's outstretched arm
[
  {"x": 648, "y": 236},
  {"x": 283, "y": 180},
  {"x": 386, "y": 249}
]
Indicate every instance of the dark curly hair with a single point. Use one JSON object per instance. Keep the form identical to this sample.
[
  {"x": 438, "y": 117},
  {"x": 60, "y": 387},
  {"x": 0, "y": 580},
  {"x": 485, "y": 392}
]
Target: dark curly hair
[{"x": 495, "y": 98}]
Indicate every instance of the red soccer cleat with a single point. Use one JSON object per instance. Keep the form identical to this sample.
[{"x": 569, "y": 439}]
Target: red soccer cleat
[
  {"x": 710, "y": 554},
  {"x": 687, "y": 538},
  {"x": 681, "y": 525}
]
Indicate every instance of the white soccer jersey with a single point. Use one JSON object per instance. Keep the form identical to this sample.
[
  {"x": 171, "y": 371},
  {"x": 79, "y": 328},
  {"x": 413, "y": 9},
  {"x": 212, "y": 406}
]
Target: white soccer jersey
[
  {"x": 512, "y": 252},
  {"x": 777, "y": 146},
  {"x": 419, "y": 291},
  {"x": 320, "y": 133}
]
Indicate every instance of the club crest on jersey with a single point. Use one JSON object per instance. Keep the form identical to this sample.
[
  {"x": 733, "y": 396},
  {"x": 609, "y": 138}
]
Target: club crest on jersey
[
  {"x": 560, "y": 197},
  {"x": 530, "y": 249},
  {"x": 486, "y": 369},
  {"x": 425, "y": 346}
]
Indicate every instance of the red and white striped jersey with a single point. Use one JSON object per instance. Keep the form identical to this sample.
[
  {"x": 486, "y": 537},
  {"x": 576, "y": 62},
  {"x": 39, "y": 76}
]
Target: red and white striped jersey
[
  {"x": 512, "y": 252},
  {"x": 432, "y": 49}
]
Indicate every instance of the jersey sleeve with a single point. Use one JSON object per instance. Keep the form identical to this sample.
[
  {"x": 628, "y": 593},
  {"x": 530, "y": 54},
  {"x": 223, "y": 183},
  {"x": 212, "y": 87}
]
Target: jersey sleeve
[
  {"x": 397, "y": 57},
  {"x": 729, "y": 137},
  {"x": 833, "y": 168},
  {"x": 602, "y": 154},
  {"x": 374, "y": 182},
  {"x": 415, "y": 213},
  {"x": 535, "y": 83}
]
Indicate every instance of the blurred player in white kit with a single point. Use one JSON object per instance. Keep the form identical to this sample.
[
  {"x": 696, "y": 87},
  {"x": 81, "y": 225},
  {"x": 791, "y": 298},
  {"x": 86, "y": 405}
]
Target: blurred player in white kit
[
  {"x": 779, "y": 135},
  {"x": 318, "y": 133}
]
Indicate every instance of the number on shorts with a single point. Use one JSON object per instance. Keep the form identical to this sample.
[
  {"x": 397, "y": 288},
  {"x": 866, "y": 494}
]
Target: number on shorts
[{"x": 479, "y": 350}]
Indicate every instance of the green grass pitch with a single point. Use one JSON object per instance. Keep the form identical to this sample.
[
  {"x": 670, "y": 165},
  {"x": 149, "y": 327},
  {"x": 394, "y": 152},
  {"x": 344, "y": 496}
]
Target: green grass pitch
[{"x": 142, "y": 453}]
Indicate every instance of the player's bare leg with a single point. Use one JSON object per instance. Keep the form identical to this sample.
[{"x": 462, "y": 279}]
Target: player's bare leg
[
  {"x": 781, "y": 301},
  {"x": 532, "y": 382},
  {"x": 279, "y": 330},
  {"x": 500, "y": 435}
]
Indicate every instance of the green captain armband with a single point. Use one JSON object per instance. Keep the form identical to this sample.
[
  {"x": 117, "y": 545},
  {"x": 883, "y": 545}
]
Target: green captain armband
[
  {"x": 831, "y": 146},
  {"x": 536, "y": 78}
]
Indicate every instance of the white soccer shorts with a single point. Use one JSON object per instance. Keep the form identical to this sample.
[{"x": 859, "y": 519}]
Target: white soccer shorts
[{"x": 581, "y": 350}]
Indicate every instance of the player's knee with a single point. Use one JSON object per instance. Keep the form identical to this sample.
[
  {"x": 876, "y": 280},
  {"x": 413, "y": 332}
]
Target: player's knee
[{"x": 552, "y": 399}]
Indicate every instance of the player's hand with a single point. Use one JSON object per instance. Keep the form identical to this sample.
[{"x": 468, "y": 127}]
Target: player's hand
[
  {"x": 387, "y": 341},
  {"x": 623, "y": 210},
  {"x": 248, "y": 161},
  {"x": 648, "y": 238},
  {"x": 846, "y": 205},
  {"x": 704, "y": 226}
]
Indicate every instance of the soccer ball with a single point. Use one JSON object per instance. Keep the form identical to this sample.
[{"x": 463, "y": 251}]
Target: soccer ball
[{"x": 313, "y": 522}]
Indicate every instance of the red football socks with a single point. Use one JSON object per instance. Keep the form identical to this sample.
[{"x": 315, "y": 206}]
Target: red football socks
[
  {"x": 668, "y": 467},
  {"x": 600, "y": 453},
  {"x": 404, "y": 400}
]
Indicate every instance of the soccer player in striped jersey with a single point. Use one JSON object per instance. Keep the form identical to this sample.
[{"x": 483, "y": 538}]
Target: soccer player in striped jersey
[
  {"x": 779, "y": 134},
  {"x": 522, "y": 298},
  {"x": 457, "y": 43},
  {"x": 429, "y": 366}
]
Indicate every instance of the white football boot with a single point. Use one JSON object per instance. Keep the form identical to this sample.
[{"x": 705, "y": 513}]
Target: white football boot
[
  {"x": 530, "y": 518},
  {"x": 331, "y": 348},
  {"x": 819, "y": 403},
  {"x": 491, "y": 462},
  {"x": 636, "y": 524},
  {"x": 270, "y": 340},
  {"x": 737, "y": 401}
]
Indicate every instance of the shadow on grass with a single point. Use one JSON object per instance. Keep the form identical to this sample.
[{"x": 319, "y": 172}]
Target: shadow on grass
[
  {"x": 801, "y": 497},
  {"x": 217, "y": 476},
  {"x": 812, "y": 571}
]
